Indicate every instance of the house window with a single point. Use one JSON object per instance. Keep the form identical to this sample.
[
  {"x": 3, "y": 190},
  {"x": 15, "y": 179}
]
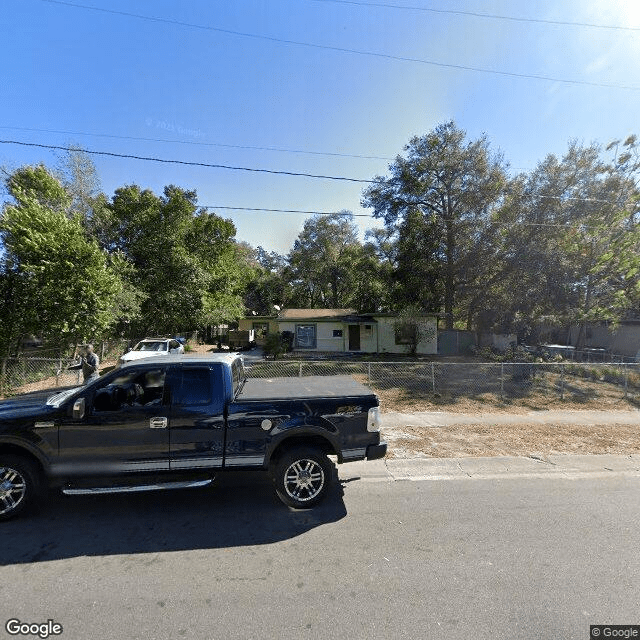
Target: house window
[
  {"x": 405, "y": 334},
  {"x": 368, "y": 330},
  {"x": 306, "y": 336},
  {"x": 337, "y": 333},
  {"x": 261, "y": 329}
]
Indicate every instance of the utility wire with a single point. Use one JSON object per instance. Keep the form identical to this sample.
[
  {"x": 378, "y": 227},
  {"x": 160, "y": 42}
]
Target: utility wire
[
  {"x": 270, "y": 171},
  {"x": 359, "y": 52},
  {"x": 312, "y": 213},
  {"x": 371, "y": 216},
  {"x": 477, "y": 14},
  {"x": 185, "y": 162},
  {"x": 202, "y": 144}
]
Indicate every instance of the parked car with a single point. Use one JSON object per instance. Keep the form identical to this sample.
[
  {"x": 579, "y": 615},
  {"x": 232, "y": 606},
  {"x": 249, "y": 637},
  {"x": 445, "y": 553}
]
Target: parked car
[
  {"x": 176, "y": 422},
  {"x": 150, "y": 347}
]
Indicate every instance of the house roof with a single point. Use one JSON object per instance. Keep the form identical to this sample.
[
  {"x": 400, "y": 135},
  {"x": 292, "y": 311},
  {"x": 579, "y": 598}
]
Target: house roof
[{"x": 314, "y": 314}]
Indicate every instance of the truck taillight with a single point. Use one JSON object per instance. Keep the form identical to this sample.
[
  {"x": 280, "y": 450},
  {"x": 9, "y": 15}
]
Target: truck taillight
[{"x": 373, "y": 419}]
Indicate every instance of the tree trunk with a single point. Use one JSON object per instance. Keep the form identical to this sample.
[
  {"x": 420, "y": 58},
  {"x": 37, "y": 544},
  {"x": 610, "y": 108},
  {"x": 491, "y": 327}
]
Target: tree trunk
[{"x": 449, "y": 284}]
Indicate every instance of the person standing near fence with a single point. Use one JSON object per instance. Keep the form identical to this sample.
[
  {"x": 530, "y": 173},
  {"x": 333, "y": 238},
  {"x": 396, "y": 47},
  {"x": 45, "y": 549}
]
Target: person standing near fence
[{"x": 89, "y": 365}]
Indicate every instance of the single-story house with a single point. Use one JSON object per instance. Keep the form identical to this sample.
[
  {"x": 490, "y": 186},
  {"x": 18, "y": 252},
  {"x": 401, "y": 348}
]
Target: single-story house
[{"x": 344, "y": 330}]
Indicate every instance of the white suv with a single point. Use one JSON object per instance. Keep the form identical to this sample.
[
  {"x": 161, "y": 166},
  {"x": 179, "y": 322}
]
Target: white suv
[{"x": 150, "y": 347}]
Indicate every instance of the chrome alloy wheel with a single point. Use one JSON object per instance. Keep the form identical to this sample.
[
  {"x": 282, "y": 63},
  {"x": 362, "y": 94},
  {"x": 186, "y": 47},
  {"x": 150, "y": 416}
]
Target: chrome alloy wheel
[
  {"x": 304, "y": 480},
  {"x": 13, "y": 488}
]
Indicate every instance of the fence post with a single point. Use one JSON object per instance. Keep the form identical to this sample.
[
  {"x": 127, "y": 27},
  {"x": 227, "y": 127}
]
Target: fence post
[
  {"x": 58, "y": 370},
  {"x": 300, "y": 370},
  {"x": 433, "y": 377},
  {"x": 626, "y": 382},
  {"x": 502, "y": 381},
  {"x": 3, "y": 377},
  {"x": 369, "y": 372},
  {"x": 562, "y": 367}
]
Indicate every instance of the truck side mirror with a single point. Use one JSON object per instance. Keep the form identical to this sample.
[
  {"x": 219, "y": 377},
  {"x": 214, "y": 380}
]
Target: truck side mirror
[{"x": 78, "y": 409}]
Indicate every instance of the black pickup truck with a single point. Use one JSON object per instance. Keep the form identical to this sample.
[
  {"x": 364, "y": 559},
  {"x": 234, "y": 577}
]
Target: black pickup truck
[{"x": 175, "y": 422}]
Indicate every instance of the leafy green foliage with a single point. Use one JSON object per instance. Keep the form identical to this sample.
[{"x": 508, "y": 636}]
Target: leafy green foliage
[
  {"x": 323, "y": 265},
  {"x": 55, "y": 282},
  {"x": 440, "y": 196},
  {"x": 274, "y": 345},
  {"x": 182, "y": 259},
  {"x": 570, "y": 245}
]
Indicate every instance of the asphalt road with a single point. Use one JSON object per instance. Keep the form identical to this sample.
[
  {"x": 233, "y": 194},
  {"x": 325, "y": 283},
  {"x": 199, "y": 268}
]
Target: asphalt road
[{"x": 508, "y": 558}]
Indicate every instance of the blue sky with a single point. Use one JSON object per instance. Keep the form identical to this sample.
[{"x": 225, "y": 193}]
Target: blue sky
[{"x": 214, "y": 92}]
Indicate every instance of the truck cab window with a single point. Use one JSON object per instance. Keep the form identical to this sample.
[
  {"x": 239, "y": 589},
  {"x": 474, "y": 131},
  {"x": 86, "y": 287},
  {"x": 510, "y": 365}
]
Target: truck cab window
[
  {"x": 131, "y": 389},
  {"x": 194, "y": 387}
]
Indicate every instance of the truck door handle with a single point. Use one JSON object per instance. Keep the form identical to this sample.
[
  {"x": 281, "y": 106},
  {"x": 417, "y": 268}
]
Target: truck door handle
[{"x": 158, "y": 423}]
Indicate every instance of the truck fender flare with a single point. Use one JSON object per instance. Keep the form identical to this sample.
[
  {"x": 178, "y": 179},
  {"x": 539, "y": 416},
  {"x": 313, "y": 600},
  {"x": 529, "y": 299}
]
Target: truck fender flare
[
  {"x": 16, "y": 446},
  {"x": 307, "y": 433}
]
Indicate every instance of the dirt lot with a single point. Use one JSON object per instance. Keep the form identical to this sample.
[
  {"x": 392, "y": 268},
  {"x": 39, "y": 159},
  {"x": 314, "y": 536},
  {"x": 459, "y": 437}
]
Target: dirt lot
[
  {"x": 486, "y": 440},
  {"x": 496, "y": 438}
]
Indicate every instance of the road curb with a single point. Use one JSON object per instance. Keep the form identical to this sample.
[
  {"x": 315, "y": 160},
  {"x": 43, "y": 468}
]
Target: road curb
[{"x": 564, "y": 466}]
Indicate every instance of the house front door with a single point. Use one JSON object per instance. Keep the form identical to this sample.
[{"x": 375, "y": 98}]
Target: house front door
[{"x": 354, "y": 337}]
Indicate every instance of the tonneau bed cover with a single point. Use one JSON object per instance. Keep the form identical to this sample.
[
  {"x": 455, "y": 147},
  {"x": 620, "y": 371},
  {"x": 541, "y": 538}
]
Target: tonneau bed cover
[{"x": 305, "y": 387}]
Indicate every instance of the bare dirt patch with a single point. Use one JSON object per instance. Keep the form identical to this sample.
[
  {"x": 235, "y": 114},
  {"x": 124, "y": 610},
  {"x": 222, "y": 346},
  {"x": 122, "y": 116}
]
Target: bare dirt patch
[
  {"x": 401, "y": 400},
  {"x": 487, "y": 440}
]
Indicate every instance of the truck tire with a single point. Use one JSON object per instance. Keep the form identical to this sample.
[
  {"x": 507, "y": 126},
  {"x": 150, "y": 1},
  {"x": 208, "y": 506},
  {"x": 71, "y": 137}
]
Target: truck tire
[
  {"x": 302, "y": 477},
  {"x": 19, "y": 485}
]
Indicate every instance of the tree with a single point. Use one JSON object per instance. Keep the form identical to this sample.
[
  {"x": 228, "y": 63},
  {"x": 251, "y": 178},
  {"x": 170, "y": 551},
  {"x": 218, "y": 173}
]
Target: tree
[
  {"x": 268, "y": 288},
  {"x": 79, "y": 177},
  {"x": 36, "y": 183},
  {"x": 570, "y": 242},
  {"x": 183, "y": 259},
  {"x": 322, "y": 265},
  {"x": 412, "y": 329},
  {"x": 54, "y": 281},
  {"x": 444, "y": 191}
]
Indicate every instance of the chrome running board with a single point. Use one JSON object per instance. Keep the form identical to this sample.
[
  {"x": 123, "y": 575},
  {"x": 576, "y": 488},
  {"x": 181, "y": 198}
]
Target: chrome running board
[{"x": 193, "y": 484}]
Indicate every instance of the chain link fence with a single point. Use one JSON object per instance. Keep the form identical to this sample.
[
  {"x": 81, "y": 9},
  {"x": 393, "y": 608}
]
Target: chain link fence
[
  {"x": 487, "y": 381},
  {"x": 490, "y": 382},
  {"x": 32, "y": 372}
]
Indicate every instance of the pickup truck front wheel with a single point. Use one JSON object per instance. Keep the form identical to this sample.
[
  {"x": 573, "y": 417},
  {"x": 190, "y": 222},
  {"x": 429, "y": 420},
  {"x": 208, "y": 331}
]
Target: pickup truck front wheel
[
  {"x": 302, "y": 477},
  {"x": 19, "y": 485}
]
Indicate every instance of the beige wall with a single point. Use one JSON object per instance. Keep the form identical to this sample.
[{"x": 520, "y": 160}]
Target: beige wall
[
  {"x": 245, "y": 324},
  {"x": 324, "y": 334}
]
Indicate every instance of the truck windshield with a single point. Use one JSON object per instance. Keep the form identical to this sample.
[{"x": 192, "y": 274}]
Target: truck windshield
[{"x": 151, "y": 346}]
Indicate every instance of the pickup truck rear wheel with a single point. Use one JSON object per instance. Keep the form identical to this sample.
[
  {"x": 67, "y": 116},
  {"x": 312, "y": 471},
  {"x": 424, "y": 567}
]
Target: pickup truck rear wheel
[
  {"x": 19, "y": 485},
  {"x": 302, "y": 477}
]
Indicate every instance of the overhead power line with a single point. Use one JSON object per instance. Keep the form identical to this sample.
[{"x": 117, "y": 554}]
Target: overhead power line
[
  {"x": 477, "y": 14},
  {"x": 185, "y": 162},
  {"x": 371, "y": 216},
  {"x": 260, "y": 170},
  {"x": 359, "y": 52},
  {"x": 195, "y": 143},
  {"x": 311, "y": 213}
]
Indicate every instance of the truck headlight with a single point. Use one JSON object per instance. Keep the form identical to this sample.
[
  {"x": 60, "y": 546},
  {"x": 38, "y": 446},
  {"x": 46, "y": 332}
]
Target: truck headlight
[{"x": 373, "y": 419}]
